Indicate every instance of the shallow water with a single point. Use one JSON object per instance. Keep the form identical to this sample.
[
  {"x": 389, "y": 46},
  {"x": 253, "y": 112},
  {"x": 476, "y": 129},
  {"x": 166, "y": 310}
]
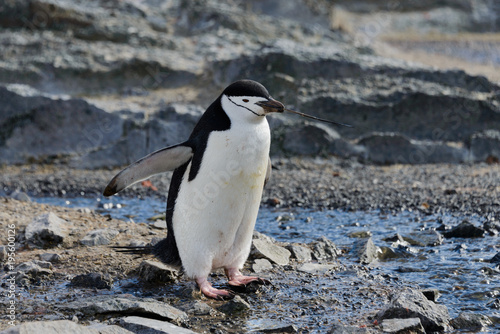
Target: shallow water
[{"x": 458, "y": 268}]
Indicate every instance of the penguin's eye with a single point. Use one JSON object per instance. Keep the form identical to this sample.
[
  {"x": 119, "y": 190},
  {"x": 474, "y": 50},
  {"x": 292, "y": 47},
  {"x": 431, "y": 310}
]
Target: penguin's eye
[{"x": 246, "y": 100}]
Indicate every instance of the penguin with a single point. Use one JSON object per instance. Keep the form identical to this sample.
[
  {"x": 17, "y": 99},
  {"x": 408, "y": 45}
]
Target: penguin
[{"x": 216, "y": 188}]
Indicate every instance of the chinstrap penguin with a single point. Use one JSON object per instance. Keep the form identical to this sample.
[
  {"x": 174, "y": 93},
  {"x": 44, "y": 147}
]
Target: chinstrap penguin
[{"x": 216, "y": 187}]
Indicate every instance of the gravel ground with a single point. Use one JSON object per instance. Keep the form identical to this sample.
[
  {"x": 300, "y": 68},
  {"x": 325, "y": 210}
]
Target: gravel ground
[{"x": 319, "y": 184}]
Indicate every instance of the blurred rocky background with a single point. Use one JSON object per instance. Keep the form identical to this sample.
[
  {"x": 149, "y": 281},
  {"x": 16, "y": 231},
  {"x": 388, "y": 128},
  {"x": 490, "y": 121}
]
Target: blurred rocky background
[{"x": 101, "y": 83}]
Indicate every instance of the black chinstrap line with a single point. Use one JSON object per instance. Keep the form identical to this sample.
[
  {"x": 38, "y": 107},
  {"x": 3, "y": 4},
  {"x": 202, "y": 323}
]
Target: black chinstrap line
[{"x": 239, "y": 105}]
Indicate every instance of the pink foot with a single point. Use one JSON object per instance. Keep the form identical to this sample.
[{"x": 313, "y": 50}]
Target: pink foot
[
  {"x": 208, "y": 290},
  {"x": 236, "y": 278}
]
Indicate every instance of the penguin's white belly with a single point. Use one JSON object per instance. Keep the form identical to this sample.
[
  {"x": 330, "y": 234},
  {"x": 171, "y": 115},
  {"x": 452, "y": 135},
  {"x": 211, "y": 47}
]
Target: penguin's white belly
[{"x": 215, "y": 213}]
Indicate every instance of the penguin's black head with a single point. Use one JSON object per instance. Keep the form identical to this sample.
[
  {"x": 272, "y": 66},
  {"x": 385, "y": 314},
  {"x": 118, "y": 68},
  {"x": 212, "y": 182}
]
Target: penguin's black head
[{"x": 249, "y": 97}]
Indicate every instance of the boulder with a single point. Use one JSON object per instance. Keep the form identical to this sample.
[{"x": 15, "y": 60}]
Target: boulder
[{"x": 46, "y": 230}]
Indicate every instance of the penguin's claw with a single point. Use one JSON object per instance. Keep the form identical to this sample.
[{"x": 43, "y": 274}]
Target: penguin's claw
[
  {"x": 237, "y": 279},
  {"x": 208, "y": 290}
]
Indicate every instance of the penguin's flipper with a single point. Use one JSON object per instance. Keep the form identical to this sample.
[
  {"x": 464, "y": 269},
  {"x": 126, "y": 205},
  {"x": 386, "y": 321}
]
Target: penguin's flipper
[
  {"x": 269, "y": 170},
  {"x": 163, "y": 160}
]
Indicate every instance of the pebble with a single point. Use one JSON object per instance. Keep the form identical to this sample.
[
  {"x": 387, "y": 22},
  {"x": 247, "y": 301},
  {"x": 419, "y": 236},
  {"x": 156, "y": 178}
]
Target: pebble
[
  {"x": 50, "y": 257},
  {"x": 264, "y": 249},
  {"x": 99, "y": 237},
  {"x": 157, "y": 272},
  {"x": 300, "y": 253},
  {"x": 235, "y": 306},
  {"x": 261, "y": 265},
  {"x": 92, "y": 280}
]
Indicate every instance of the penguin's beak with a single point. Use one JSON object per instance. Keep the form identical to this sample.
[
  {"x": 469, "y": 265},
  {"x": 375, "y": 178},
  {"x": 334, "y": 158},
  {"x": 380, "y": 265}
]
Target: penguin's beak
[{"x": 271, "y": 105}]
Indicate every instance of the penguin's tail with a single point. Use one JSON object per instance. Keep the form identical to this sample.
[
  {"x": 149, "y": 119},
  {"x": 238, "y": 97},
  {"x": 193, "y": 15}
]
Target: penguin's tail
[{"x": 139, "y": 250}]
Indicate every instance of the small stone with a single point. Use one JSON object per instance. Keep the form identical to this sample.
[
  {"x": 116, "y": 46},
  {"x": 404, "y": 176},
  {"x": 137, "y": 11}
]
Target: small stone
[
  {"x": 261, "y": 265},
  {"x": 50, "y": 257},
  {"x": 409, "y": 325},
  {"x": 157, "y": 272},
  {"x": 424, "y": 238},
  {"x": 470, "y": 321},
  {"x": 360, "y": 234},
  {"x": 324, "y": 249},
  {"x": 366, "y": 251},
  {"x": 315, "y": 268},
  {"x": 92, "y": 280},
  {"x": 20, "y": 196},
  {"x": 99, "y": 237},
  {"x": 277, "y": 327},
  {"x": 33, "y": 269},
  {"x": 431, "y": 294},
  {"x": 152, "y": 326},
  {"x": 465, "y": 230},
  {"x": 342, "y": 329},
  {"x": 300, "y": 253},
  {"x": 46, "y": 230},
  {"x": 235, "y": 305},
  {"x": 200, "y": 308},
  {"x": 160, "y": 224},
  {"x": 264, "y": 249}
]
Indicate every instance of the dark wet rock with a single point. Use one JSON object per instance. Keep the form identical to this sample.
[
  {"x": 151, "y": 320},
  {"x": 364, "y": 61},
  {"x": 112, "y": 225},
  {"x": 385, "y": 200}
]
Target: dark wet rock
[
  {"x": 235, "y": 306},
  {"x": 50, "y": 257},
  {"x": 366, "y": 251},
  {"x": 360, "y": 234},
  {"x": 470, "y": 321},
  {"x": 53, "y": 327},
  {"x": 151, "y": 326},
  {"x": 46, "y": 230},
  {"x": 408, "y": 325},
  {"x": 99, "y": 237},
  {"x": 271, "y": 326},
  {"x": 494, "y": 304},
  {"x": 496, "y": 258},
  {"x": 315, "y": 268},
  {"x": 300, "y": 253},
  {"x": 264, "y": 249},
  {"x": 492, "y": 226},
  {"x": 485, "y": 144},
  {"x": 20, "y": 196},
  {"x": 324, "y": 249},
  {"x": 411, "y": 270},
  {"x": 343, "y": 329},
  {"x": 201, "y": 308},
  {"x": 125, "y": 304},
  {"x": 465, "y": 230},
  {"x": 410, "y": 303},
  {"x": 391, "y": 148},
  {"x": 400, "y": 251},
  {"x": 157, "y": 272},
  {"x": 431, "y": 294},
  {"x": 424, "y": 238},
  {"x": 34, "y": 269},
  {"x": 260, "y": 265},
  {"x": 92, "y": 280}
]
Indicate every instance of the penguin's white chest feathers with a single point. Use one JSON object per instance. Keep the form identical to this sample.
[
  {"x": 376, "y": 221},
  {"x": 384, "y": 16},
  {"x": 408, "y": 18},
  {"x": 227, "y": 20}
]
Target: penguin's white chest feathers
[{"x": 216, "y": 211}]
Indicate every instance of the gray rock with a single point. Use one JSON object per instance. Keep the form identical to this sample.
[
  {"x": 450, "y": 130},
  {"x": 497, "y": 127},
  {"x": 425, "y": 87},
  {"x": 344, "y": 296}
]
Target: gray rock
[
  {"x": 109, "y": 329},
  {"x": 408, "y": 325},
  {"x": 156, "y": 272},
  {"x": 300, "y": 253},
  {"x": 50, "y": 257},
  {"x": 92, "y": 280},
  {"x": 410, "y": 303},
  {"x": 465, "y": 230},
  {"x": 309, "y": 139},
  {"x": 342, "y": 329},
  {"x": 3, "y": 253},
  {"x": 151, "y": 326},
  {"x": 258, "y": 235},
  {"x": 46, "y": 230},
  {"x": 126, "y": 305},
  {"x": 99, "y": 237},
  {"x": 52, "y": 327},
  {"x": 485, "y": 144},
  {"x": 34, "y": 269},
  {"x": 470, "y": 321},
  {"x": 324, "y": 249},
  {"x": 496, "y": 258},
  {"x": 20, "y": 196},
  {"x": 424, "y": 238},
  {"x": 160, "y": 224},
  {"x": 431, "y": 294},
  {"x": 366, "y": 251},
  {"x": 200, "y": 308},
  {"x": 315, "y": 268},
  {"x": 271, "y": 326},
  {"x": 235, "y": 306},
  {"x": 264, "y": 249},
  {"x": 260, "y": 265}
]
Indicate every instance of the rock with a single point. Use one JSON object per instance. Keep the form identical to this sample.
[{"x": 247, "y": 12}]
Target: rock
[
  {"x": 410, "y": 303},
  {"x": 431, "y": 294},
  {"x": 342, "y": 329},
  {"x": 260, "y": 265},
  {"x": 99, "y": 237},
  {"x": 235, "y": 306},
  {"x": 271, "y": 326},
  {"x": 151, "y": 326},
  {"x": 408, "y": 325},
  {"x": 264, "y": 249},
  {"x": 492, "y": 226},
  {"x": 470, "y": 321},
  {"x": 50, "y": 257},
  {"x": 485, "y": 144},
  {"x": 300, "y": 253},
  {"x": 200, "y": 308},
  {"x": 465, "y": 230},
  {"x": 34, "y": 269},
  {"x": 156, "y": 272},
  {"x": 424, "y": 238},
  {"x": 160, "y": 224},
  {"x": 366, "y": 251},
  {"x": 496, "y": 258},
  {"x": 124, "y": 305},
  {"x": 20, "y": 196},
  {"x": 315, "y": 268},
  {"x": 3, "y": 253},
  {"x": 92, "y": 280},
  {"x": 324, "y": 249},
  {"x": 360, "y": 234},
  {"x": 258, "y": 235},
  {"x": 109, "y": 329},
  {"x": 52, "y": 327},
  {"x": 46, "y": 230}
]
